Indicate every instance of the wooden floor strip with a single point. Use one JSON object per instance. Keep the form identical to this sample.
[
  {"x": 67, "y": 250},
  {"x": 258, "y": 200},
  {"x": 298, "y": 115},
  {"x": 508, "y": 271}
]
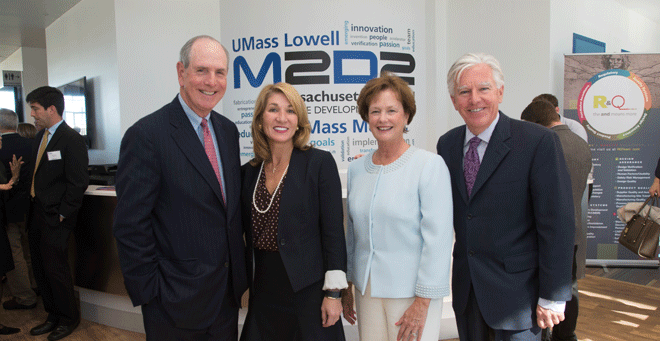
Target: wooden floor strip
[{"x": 610, "y": 309}]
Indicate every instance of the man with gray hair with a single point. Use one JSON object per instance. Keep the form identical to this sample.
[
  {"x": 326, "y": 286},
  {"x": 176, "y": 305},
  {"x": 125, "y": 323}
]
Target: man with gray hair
[
  {"x": 513, "y": 212},
  {"x": 178, "y": 220},
  {"x": 17, "y": 203}
]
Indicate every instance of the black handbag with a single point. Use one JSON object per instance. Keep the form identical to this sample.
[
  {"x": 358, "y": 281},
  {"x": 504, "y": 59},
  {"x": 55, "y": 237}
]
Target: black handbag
[{"x": 641, "y": 233}]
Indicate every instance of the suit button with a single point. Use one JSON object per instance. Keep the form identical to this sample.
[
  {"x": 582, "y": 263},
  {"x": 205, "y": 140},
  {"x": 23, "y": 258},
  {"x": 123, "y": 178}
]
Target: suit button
[
  {"x": 283, "y": 242},
  {"x": 471, "y": 253},
  {"x": 469, "y": 216},
  {"x": 226, "y": 264}
]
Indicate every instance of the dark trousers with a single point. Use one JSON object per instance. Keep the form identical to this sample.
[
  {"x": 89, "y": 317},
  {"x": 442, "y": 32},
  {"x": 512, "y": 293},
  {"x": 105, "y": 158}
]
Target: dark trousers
[
  {"x": 565, "y": 330},
  {"x": 159, "y": 326},
  {"x": 472, "y": 326},
  {"x": 49, "y": 246}
]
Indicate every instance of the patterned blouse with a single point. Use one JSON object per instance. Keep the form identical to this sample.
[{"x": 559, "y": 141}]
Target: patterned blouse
[{"x": 264, "y": 225}]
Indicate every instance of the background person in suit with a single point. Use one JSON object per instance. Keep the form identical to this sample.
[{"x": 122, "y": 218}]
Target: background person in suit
[
  {"x": 17, "y": 203},
  {"x": 177, "y": 221},
  {"x": 577, "y": 156},
  {"x": 576, "y": 127},
  {"x": 293, "y": 219},
  {"x": 513, "y": 212},
  {"x": 399, "y": 231},
  {"x": 59, "y": 181}
]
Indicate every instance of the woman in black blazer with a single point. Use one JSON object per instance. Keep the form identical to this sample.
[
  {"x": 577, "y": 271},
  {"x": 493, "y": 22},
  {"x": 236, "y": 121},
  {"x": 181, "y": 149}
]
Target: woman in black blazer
[{"x": 293, "y": 222}]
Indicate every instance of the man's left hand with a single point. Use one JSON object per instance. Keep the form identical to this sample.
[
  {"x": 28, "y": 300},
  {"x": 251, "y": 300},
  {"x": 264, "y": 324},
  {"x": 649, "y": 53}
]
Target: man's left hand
[
  {"x": 547, "y": 318},
  {"x": 330, "y": 311}
]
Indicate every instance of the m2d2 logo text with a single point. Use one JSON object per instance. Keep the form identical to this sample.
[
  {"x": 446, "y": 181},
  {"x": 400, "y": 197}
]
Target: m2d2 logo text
[{"x": 319, "y": 62}]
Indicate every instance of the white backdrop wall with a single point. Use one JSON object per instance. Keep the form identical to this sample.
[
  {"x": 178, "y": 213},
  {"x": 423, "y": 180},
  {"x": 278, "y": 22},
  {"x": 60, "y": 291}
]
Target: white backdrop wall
[
  {"x": 514, "y": 32},
  {"x": 129, "y": 49},
  {"x": 150, "y": 34},
  {"x": 260, "y": 36},
  {"x": 438, "y": 118}
]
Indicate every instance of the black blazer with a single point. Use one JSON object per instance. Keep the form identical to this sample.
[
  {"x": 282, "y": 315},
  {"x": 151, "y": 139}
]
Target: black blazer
[
  {"x": 514, "y": 233},
  {"x": 18, "y": 198},
  {"x": 310, "y": 223},
  {"x": 177, "y": 240},
  {"x": 61, "y": 178}
]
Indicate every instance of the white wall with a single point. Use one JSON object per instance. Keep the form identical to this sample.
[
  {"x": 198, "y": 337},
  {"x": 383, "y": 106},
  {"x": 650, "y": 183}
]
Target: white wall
[
  {"x": 150, "y": 34},
  {"x": 34, "y": 76},
  {"x": 80, "y": 43},
  {"x": 437, "y": 119},
  {"x": 14, "y": 62},
  {"x": 515, "y": 32},
  {"x": 129, "y": 50}
]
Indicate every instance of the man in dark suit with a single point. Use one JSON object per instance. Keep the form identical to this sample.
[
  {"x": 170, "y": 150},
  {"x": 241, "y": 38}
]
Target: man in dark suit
[
  {"x": 17, "y": 203},
  {"x": 177, "y": 221},
  {"x": 578, "y": 161},
  {"x": 59, "y": 181},
  {"x": 513, "y": 216}
]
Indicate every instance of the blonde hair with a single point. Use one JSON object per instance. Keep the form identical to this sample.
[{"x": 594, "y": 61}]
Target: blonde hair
[{"x": 260, "y": 145}]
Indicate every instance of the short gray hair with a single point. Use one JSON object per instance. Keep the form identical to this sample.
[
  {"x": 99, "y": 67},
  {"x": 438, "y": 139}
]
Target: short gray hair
[
  {"x": 184, "y": 54},
  {"x": 469, "y": 60},
  {"x": 8, "y": 119}
]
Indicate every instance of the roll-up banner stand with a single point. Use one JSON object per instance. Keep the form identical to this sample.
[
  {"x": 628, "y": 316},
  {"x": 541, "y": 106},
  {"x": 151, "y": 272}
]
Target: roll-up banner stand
[{"x": 616, "y": 98}]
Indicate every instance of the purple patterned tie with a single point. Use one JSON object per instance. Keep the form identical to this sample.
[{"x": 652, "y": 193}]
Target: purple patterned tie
[{"x": 471, "y": 164}]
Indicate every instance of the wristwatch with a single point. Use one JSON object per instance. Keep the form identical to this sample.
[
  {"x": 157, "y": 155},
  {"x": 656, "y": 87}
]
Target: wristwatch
[{"x": 335, "y": 295}]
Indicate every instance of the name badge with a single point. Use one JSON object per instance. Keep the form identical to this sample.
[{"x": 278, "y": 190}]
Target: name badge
[{"x": 54, "y": 155}]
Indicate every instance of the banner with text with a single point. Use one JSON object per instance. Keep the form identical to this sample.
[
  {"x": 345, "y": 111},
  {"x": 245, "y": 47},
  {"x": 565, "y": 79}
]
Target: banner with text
[
  {"x": 616, "y": 97},
  {"x": 327, "y": 51}
]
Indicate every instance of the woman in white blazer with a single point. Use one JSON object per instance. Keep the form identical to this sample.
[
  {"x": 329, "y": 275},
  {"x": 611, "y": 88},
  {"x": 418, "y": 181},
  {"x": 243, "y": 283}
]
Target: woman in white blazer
[{"x": 399, "y": 231}]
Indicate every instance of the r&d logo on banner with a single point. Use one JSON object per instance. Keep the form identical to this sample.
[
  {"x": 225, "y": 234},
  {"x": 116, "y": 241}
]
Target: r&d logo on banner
[{"x": 614, "y": 104}]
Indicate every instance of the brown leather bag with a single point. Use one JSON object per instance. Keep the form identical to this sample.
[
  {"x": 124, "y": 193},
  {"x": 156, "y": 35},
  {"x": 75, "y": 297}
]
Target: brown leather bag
[{"x": 641, "y": 233}]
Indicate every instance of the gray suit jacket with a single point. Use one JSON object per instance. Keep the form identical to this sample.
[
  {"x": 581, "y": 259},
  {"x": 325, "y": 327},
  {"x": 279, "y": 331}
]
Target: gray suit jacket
[{"x": 578, "y": 162}]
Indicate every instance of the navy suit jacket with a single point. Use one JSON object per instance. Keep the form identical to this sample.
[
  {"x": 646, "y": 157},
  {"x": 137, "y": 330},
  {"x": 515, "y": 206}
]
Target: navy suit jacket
[
  {"x": 61, "y": 178},
  {"x": 177, "y": 240},
  {"x": 310, "y": 224},
  {"x": 18, "y": 198},
  {"x": 514, "y": 234}
]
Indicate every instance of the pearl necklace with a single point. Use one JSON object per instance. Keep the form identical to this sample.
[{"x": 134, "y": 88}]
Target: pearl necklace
[{"x": 254, "y": 193}]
